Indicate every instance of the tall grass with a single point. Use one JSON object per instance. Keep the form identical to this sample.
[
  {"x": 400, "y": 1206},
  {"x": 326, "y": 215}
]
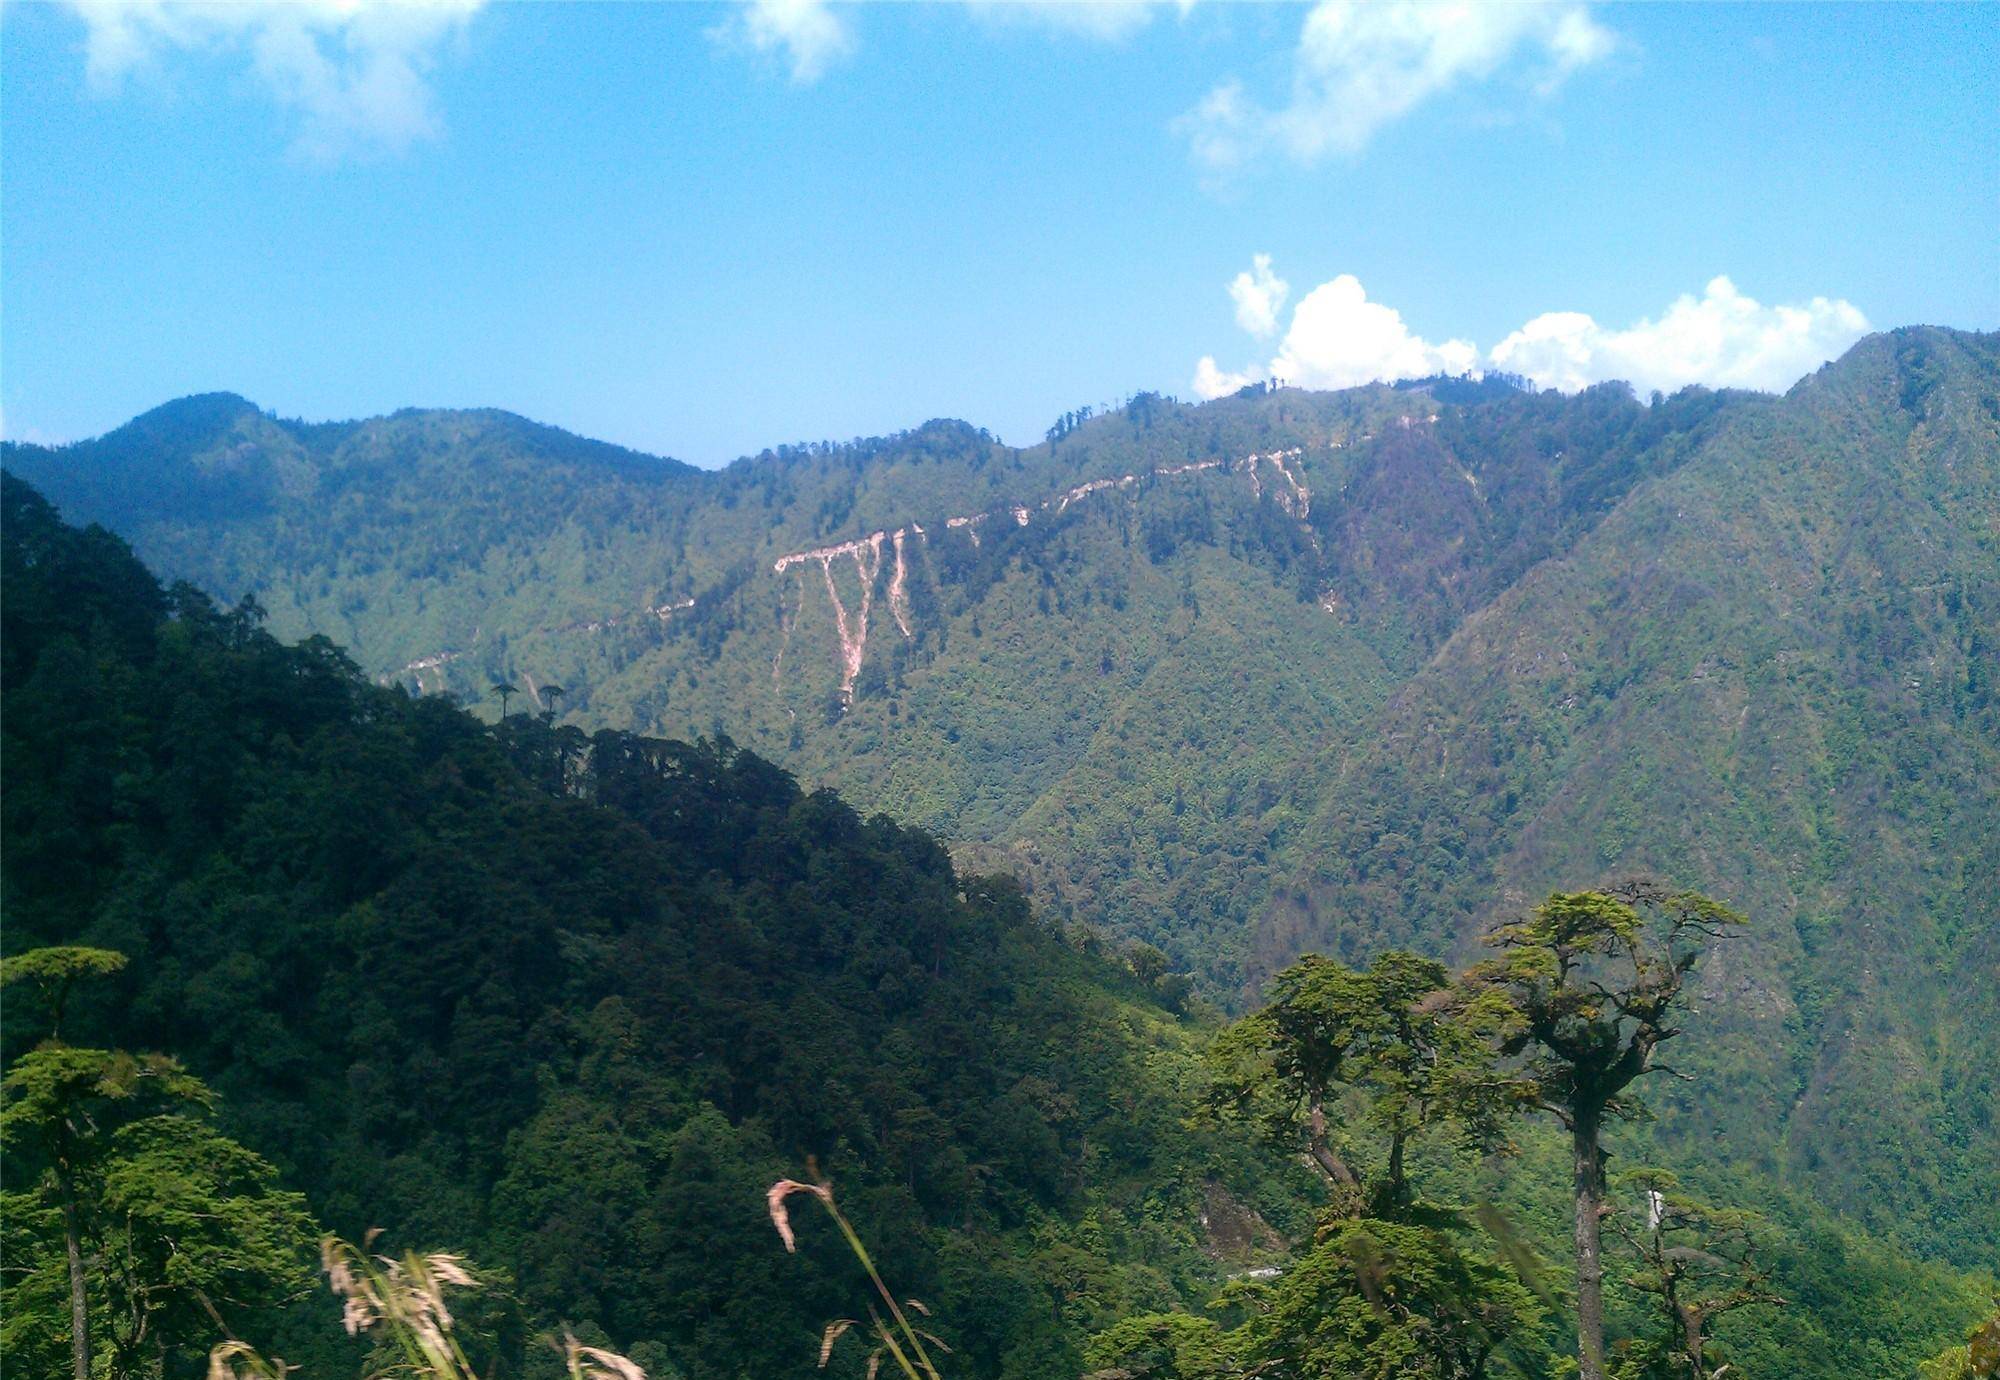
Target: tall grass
[
  {"x": 401, "y": 1301},
  {"x": 904, "y": 1343}
]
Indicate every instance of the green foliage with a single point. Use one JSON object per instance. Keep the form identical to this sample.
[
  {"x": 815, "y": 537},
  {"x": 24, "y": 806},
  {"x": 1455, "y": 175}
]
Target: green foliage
[
  {"x": 176, "y": 1223},
  {"x": 1696, "y": 1263},
  {"x": 1597, "y": 982},
  {"x": 54, "y": 971},
  {"x": 1978, "y": 1359},
  {"x": 570, "y": 1004},
  {"x": 1742, "y": 641},
  {"x": 1587, "y": 1042},
  {"x": 1373, "y": 1298},
  {"x": 1416, "y": 1049}
]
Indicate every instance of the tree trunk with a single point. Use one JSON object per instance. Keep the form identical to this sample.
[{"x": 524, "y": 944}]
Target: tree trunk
[
  {"x": 1589, "y": 1247},
  {"x": 1693, "y": 1336},
  {"x": 1334, "y": 1167},
  {"x": 79, "y": 1302}
]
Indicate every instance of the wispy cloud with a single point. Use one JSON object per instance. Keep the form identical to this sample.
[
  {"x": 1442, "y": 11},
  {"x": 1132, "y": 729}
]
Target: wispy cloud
[
  {"x": 1360, "y": 66},
  {"x": 1102, "y": 20},
  {"x": 809, "y": 35},
  {"x": 352, "y": 74},
  {"x": 1338, "y": 338}
]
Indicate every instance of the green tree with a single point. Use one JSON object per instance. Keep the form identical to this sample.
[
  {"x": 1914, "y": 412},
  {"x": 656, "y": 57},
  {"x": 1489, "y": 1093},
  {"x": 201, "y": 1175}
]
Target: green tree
[
  {"x": 1386, "y": 1300},
  {"x": 54, "y": 971},
  {"x": 1417, "y": 1048},
  {"x": 1597, "y": 979},
  {"x": 63, "y": 1108},
  {"x": 1697, "y": 1262},
  {"x": 144, "y": 1217}
]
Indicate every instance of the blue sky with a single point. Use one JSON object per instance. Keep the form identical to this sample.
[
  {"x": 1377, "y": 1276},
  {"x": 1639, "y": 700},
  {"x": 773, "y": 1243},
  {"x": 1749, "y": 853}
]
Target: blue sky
[{"x": 702, "y": 230}]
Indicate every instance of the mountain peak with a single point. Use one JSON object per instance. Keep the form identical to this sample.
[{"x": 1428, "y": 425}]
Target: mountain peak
[{"x": 197, "y": 412}]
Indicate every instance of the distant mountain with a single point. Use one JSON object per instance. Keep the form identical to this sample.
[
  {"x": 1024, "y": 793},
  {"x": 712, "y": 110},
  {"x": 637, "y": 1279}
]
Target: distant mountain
[{"x": 1286, "y": 670}]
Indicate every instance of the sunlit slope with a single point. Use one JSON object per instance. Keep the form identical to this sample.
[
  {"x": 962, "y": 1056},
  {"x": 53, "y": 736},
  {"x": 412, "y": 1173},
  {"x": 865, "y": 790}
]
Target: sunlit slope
[{"x": 1771, "y": 674}]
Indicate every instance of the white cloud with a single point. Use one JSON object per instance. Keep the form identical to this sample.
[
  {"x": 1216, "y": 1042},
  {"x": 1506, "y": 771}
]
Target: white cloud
[
  {"x": 1723, "y": 339},
  {"x": 1337, "y": 338},
  {"x": 1360, "y": 66},
  {"x": 354, "y": 73},
  {"x": 1103, "y": 20},
  {"x": 1211, "y": 380},
  {"x": 808, "y": 33},
  {"x": 811, "y": 34},
  {"x": 1259, "y": 295}
]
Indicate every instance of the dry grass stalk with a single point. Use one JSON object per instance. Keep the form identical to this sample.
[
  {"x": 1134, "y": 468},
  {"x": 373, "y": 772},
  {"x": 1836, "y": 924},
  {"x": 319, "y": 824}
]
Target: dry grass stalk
[
  {"x": 832, "y": 1334},
  {"x": 403, "y": 1296},
  {"x": 780, "y": 1218},
  {"x": 909, "y": 1361},
  {"x": 235, "y": 1360},
  {"x": 595, "y": 1363},
  {"x": 406, "y": 1299}
]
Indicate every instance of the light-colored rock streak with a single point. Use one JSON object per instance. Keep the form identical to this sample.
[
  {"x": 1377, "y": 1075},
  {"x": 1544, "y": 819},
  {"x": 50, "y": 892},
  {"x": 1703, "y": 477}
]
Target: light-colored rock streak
[
  {"x": 1082, "y": 491},
  {"x": 1299, "y": 504},
  {"x": 899, "y": 597},
  {"x": 867, "y": 554},
  {"x": 1295, "y": 498}
]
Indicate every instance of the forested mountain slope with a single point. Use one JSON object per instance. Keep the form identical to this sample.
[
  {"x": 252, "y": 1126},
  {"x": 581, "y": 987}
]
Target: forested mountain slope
[
  {"x": 1286, "y": 670},
  {"x": 1771, "y": 673},
  {"x": 1101, "y": 656},
  {"x": 571, "y": 1005}
]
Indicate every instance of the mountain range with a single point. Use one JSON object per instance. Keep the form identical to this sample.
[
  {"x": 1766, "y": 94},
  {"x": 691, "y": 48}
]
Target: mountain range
[{"x": 1288, "y": 671}]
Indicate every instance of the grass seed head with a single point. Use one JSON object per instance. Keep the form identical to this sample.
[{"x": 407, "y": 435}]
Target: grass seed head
[{"x": 780, "y": 1218}]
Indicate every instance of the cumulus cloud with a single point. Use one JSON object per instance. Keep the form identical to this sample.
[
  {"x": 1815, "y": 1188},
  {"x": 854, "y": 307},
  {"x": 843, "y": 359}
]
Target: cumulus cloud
[
  {"x": 1360, "y": 66},
  {"x": 1722, "y": 338},
  {"x": 807, "y": 33},
  {"x": 1259, "y": 295},
  {"x": 1338, "y": 338},
  {"x": 353, "y": 73}
]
